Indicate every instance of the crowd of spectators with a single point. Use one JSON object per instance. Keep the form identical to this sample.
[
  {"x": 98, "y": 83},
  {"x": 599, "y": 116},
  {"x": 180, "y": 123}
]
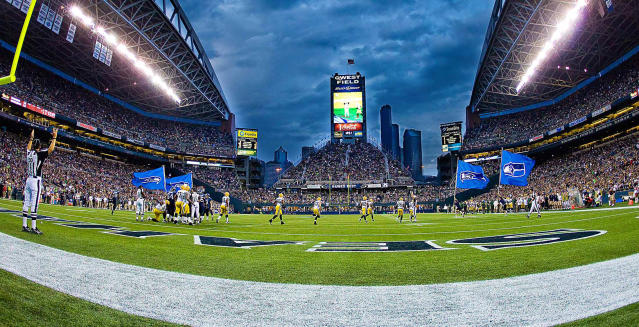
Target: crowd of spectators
[
  {"x": 222, "y": 180},
  {"x": 340, "y": 162},
  {"x": 42, "y": 88},
  {"x": 524, "y": 125},
  {"x": 572, "y": 178},
  {"x": 69, "y": 177}
]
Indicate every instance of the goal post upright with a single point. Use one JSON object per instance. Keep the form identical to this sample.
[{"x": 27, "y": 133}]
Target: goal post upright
[{"x": 16, "y": 56}]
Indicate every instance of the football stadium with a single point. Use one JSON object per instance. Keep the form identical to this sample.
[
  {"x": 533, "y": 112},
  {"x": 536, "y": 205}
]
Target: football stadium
[{"x": 129, "y": 197}]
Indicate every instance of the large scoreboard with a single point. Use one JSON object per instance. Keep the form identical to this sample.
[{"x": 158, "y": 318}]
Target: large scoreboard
[
  {"x": 246, "y": 142},
  {"x": 348, "y": 107},
  {"x": 451, "y": 136}
]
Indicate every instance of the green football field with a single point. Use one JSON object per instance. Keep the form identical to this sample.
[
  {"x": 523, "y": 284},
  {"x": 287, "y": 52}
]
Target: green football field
[{"x": 382, "y": 252}]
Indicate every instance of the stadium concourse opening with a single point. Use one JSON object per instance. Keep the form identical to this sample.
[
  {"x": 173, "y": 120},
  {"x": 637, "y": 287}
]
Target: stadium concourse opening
[{"x": 122, "y": 158}]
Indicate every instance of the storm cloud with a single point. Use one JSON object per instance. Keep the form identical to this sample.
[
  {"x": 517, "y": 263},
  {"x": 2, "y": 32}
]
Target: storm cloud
[{"x": 274, "y": 60}]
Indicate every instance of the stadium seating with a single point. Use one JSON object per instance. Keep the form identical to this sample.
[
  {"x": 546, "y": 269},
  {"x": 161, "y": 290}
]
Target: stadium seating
[
  {"x": 593, "y": 170},
  {"x": 80, "y": 179},
  {"x": 512, "y": 128},
  {"x": 341, "y": 162},
  {"x": 42, "y": 88}
]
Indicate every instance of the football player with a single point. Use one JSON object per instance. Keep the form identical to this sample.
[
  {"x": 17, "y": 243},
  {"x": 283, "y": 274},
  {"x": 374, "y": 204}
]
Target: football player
[
  {"x": 195, "y": 207},
  {"x": 535, "y": 200},
  {"x": 371, "y": 209},
  {"x": 400, "y": 210},
  {"x": 316, "y": 209},
  {"x": 364, "y": 211},
  {"x": 460, "y": 208},
  {"x": 139, "y": 205},
  {"x": 224, "y": 207},
  {"x": 182, "y": 204},
  {"x": 278, "y": 209},
  {"x": 170, "y": 207},
  {"x": 207, "y": 206},
  {"x": 114, "y": 201},
  {"x": 159, "y": 210},
  {"x": 413, "y": 208}
]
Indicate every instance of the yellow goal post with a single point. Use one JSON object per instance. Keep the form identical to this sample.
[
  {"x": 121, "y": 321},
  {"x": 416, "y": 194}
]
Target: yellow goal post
[{"x": 16, "y": 56}]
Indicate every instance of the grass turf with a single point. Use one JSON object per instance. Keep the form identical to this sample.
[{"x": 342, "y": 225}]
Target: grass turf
[
  {"x": 293, "y": 264},
  {"x": 622, "y": 317},
  {"x": 25, "y": 303}
]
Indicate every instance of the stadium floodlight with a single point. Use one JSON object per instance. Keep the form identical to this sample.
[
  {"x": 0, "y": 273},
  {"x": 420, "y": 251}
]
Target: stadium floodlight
[
  {"x": 563, "y": 27},
  {"x": 122, "y": 48}
]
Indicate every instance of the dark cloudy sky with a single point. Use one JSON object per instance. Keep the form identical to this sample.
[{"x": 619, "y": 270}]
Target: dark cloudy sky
[{"x": 274, "y": 60}]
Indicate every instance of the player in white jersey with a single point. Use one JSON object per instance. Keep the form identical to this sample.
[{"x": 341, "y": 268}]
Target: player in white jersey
[
  {"x": 182, "y": 208},
  {"x": 536, "y": 200},
  {"x": 317, "y": 206},
  {"x": 195, "y": 207},
  {"x": 159, "y": 210},
  {"x": 635, "y": 194},
  {"x": 224, "y": 207},
  {"x": 279, "y": 202},
  {"x": 33, "y": 185},
  {"x": 364, "y": 210},
  {"x": 400, "y": 209},
  {"x": 139, "y": 205},
  {"x": 412, "y": 208}
]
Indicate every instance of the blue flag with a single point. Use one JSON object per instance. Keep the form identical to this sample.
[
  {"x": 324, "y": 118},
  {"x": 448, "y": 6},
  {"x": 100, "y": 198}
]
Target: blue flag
[
  {"x": 151, "y": 180},
  {"x": 174, "y": 184},
  {"x": 515, "y": 168},
  {"x": 470, "y": 176}
]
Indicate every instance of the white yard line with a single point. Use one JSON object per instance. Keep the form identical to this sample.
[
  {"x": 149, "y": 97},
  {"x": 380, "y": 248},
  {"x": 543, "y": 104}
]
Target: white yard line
[{"x": 539, "y": 299}]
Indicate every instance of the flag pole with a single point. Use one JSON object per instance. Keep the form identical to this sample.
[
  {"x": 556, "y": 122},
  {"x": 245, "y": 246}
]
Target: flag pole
[
  {"x": 164, "y": 173},
  {"x": 501, "y": 161},
  {"x": 455, "y": 192}
]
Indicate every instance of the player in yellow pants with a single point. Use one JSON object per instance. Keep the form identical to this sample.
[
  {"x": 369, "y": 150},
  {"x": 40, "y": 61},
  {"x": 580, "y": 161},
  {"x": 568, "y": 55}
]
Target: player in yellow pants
[
  {"x": 316, "y": 209},
  {"x": 279, "y": 202},
  {"x": 158, "y": 212},
  {"x": 400, "y": 209},
  {"x": 182, "y": 204},
  {"x": 224, "y": 207}
]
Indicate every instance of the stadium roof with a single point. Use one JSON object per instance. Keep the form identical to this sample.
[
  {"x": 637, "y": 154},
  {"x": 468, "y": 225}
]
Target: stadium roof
[
  {"x": 157, "y": 32},
  {"x": 519, "y": 29}
]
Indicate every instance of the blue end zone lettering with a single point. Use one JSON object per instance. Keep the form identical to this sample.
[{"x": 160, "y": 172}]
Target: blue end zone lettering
[
  {"x": 376, "y": 246},
  {"x": 489, "y": 243},
  {"x": 235, "y": 243}
]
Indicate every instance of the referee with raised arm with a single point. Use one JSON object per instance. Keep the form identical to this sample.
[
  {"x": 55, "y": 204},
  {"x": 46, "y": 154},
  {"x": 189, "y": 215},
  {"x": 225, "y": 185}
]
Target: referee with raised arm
[{"x": 33, "y": 186}]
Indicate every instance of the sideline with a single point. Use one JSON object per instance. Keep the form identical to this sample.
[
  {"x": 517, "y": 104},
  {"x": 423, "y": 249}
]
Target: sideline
[{"x": 539, "y": 299}]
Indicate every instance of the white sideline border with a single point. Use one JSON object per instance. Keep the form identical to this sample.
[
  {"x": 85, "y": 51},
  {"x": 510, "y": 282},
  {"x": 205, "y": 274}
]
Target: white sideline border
[{"x": 539, "y": 299}]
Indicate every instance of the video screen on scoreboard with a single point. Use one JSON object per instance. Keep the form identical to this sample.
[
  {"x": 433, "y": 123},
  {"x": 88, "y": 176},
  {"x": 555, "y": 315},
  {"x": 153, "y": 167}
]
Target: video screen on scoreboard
[
  {"x": 348, "y": 107},
  {"x": 246, "y": 142}
]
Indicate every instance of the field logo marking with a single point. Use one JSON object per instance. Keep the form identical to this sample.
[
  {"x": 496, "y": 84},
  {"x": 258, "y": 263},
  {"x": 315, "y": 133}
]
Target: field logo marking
[
  {"x": 228, "y": 242},
  {"x": 376, "y": 246},
  {"x": 109, "y": 229},
  {"x": 498, "y": 242}
]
